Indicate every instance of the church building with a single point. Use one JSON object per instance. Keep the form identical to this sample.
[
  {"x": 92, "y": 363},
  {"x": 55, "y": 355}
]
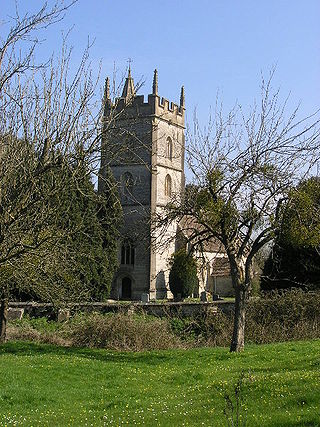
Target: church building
[{"x": 143, "y": 144}]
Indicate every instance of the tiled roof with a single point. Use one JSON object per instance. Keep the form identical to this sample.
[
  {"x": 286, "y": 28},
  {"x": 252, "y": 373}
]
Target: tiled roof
[
  {"x": 190, "y": 229},
  {"x": 220, "y": 267}
]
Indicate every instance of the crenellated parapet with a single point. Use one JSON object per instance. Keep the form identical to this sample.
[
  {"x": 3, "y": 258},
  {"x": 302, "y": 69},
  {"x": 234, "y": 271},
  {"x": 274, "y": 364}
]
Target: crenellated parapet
[{"x": 130, "y": 105}]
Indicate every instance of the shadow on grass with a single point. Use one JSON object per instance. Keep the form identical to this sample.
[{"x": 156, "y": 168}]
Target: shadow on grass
[{"x": 21, "y": 348}]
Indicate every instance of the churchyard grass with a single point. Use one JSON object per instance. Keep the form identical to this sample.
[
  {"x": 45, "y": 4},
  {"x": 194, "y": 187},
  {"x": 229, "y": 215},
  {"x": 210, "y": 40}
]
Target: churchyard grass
[{"x": 45, "y": 385}]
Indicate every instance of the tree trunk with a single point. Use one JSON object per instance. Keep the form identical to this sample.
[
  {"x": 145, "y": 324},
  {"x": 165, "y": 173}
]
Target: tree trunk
[
  {"x": 3, "y": 319},
  {"x": 237, "y": 343}
]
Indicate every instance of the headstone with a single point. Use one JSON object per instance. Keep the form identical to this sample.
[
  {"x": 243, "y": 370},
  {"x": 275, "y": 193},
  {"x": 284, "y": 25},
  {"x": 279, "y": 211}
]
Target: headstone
[
  {"x": 204, "y": 296},
  {"x": 144, "y": 297},
  {"x": 15, "y": 313}
]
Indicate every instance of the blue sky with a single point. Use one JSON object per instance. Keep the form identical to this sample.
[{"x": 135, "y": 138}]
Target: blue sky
[{"x": 205, "y": 45}]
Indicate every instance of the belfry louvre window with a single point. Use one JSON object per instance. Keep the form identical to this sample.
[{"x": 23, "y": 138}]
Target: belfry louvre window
[
  {"x": 127, "y": 253},
  {"x": 167, "y": 186},
  {"x": 169, "y": 148}
]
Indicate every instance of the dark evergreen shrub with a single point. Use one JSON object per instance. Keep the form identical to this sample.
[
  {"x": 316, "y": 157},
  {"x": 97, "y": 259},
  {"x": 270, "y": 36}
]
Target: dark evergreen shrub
[{"x": 183, "y": 277}]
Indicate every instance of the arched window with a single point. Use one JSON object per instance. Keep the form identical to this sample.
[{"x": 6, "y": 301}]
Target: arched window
[
  {"x": 169, "y": 148},
  {"x": 167, "y": 186},
  {"x": 127, "y": 253},
  {"x": 127, "y": 184}
]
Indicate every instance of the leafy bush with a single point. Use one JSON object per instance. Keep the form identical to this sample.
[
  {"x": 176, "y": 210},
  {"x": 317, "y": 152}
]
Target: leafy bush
[
  {"x": 277, "y": 317},
  {"x": 207, "y": 329},
  {"x": 39, "y": 330},
  {"x": 122, "y": 332},
  {"x": 283, "y": 316},
  {"x": 183, "y": 277},
  {"x": 291, "y": 315}
]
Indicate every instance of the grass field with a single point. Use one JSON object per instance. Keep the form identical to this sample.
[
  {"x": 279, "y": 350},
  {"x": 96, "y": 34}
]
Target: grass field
[{"x": 43, "y": 385}]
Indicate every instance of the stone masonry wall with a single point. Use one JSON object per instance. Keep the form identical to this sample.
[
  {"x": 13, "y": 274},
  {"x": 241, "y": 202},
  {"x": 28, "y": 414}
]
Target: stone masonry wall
[{"x": 18, "y": 309}]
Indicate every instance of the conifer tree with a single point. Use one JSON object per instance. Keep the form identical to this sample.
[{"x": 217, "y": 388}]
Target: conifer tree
[{"x": 183, "y": 277}]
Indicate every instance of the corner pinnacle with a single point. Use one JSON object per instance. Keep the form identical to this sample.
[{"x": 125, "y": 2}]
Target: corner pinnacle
[
  {"x": 182, "y": 98},
  {"x": 155, "y": 83}
]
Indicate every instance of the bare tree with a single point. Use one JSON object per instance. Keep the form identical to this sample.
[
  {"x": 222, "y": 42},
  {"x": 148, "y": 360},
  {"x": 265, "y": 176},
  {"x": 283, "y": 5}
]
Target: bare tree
[
  {"x": 243, "y": 167},
  {"x": 48, "y": 122},
  {"x": 24, "y": 30}
]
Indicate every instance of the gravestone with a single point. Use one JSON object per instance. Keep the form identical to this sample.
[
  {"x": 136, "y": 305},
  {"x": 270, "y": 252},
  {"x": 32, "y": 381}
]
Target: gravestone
[
  {"x": 204, "y": 296},
  {"x": 144, "y": 297}
]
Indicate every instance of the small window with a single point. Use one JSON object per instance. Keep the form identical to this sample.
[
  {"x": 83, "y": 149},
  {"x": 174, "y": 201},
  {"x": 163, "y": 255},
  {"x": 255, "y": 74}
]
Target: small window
[
  {"x": 169, "y": 148},
  {"x": 167, "y": 186},
  {"x": 127, "y": 253}
]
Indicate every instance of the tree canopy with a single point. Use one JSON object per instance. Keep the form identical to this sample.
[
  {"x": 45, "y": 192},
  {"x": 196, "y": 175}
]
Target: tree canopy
[
  {"x": 243, "y": 166},
  {"x": 50, "y": 128},
  {"x": 84, "y": 260},
  {"x": 294, "y": 260}
]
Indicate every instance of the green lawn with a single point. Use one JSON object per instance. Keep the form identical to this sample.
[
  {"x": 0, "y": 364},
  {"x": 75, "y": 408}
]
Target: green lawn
[{"x": 43, "y": 385}]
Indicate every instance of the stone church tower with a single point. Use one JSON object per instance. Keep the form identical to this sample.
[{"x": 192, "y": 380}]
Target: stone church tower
[{"x": 143, "y": 144}]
